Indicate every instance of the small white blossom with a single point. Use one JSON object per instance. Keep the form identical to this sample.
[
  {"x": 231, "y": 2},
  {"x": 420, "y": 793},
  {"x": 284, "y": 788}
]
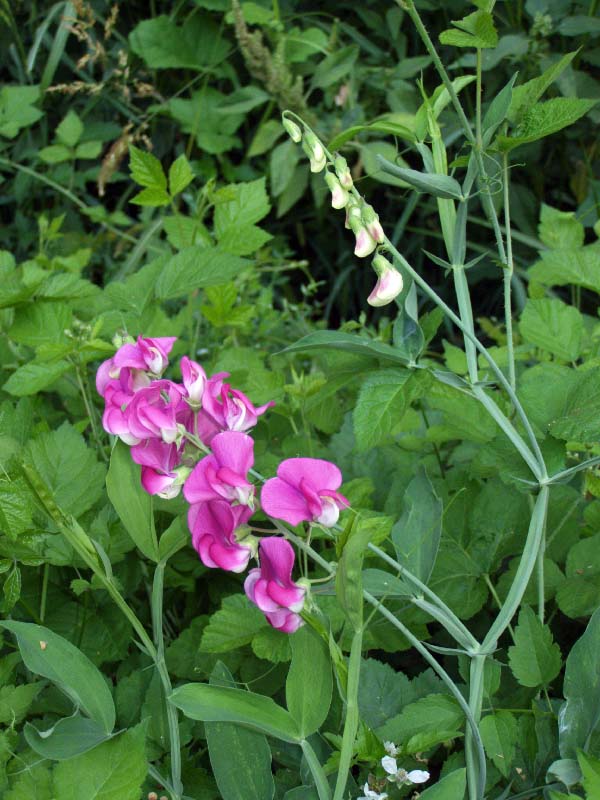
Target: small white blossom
[
  {"x": 391, "y": 749},
  {"x": 401, "y": 776},
  {"x": 371, "y": 794}
]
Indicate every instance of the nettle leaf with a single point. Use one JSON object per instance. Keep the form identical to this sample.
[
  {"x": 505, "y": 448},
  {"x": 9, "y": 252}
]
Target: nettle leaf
[
  {"x": 146, "y": 169},
  {"x": 450, "y": 787},
  {"x": 240, "y": 204},
  {"x": 153, "y": 196},
  {"x": 116, "y": 768},
  {"x": 579, "y": 717},
  {"x": 499, "y": 732},
  {"x": 476, "y": 30},
  {"x": 580, "y": 417},
  {"x": 17, "y": 110},
  {"x": 197, "y": 267},
  {"x": 416, "y": 535},
  {"x": 234, "y": 625},
  {"x": 436, "y": 712},
  {"x": 32, "y": 378},
  {"x": 68, "y": 467},
  {"x": 381, "y": 404},
  {"x": 590, "y": 769},
  {"x": 535, "y": 658},
  {"x": 544, "y": 119},
  {"x": 560, "y": 229},
  {"x": 180, "y": 175},
  {"x": 526, "y": 95},
  {"x": 553, "y": 326},
  {"x": 70, "y": 130},
  {"x": 163, "y": 44},
  {"x": 573, "y": 265},
  {"x": 382, "y": 692}
]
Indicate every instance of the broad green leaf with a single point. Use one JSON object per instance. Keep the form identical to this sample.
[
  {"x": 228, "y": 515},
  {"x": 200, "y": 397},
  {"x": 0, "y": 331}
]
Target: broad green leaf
[
  {"x": 250, "y": 775},
  {"x": 348, "y": 580},
  {"x": 180, "y": 175},
  {"x": 282, "y": 163},
  {"x": 544, "y": 119},
  {"x": 197, "y": 267},
  {"x": 553, "y": 326},
  {"x": 382, "y": 584},
  {"x": 579, "y": 594},
  {"x": 49, "y": 655},
  {"x": 173, "y": 539},
  {"x": 382, "y": 692},
  {"x": 16, "y": 700},
  {"x": 416, "y": 535},
  {"x": 114, "y": 769},
  {"x": 499, "y": 732},
  {"x": 33, "y": 783},
  {"x": 590, "y": 768},
  {"x": 579, "y": 266},
  {"x": 244, "y": 100},
  {"x": 234, "y": 625},
  {"x": 579, "y": 25},
  {"x": 560, "y": 230},
  {"x": 381, "y": 404},
  {"x": 12, "y": 588},
  {"x": 433, "y": 712},
  {"x": 17, "y": 110},
  {"x": 348, "y": 342},
  {"x": 525, "y": 96},
  {"x": 309, "y": 682},
  {"x": 41, "y": 323},
  {"x": 243, "y": 241},
  {"x": 162, "y": 44},
  {"x": 69, "y": 468},
  {"x": 272, "y": 645},
  {"x": 33, "y": 378},
  {"x": 450, "y": 787},
  {"x": 68, "y": 737},
  {"x": 579, "y": 717},
  {"x": 152, "y": 196},
  {"x": 476, "y": 30},
  {"x": 580, "y": 416},
  {"x": 219, "y": 704},
  {"x": 535, "y": 658},
  {"x": 69, "y": 131},
  {"x": 146, "y": 169},
  {"x": 89, "y": 151},
  {"x": 55, "y": 154},
  {"x": 437, "y": 185},
  {"x": 130, "y": 501},
  {"x": 334, "y": 67},
  {"x": 16, "y": 506},
  {"x": 565, "y": 770},
  {"x": 240, "y": 204},
  {"x": 381, "y": 126}
]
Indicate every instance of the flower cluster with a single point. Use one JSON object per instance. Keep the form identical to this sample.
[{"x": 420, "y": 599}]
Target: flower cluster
[
  {"x": 395, "y": 774},
  {"x": 361, "y": 218},
  {"x": 193, "y": 435}
]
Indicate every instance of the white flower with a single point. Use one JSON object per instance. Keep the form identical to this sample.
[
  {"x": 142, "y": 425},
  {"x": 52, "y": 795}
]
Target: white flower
[
  {"x": 391, "y": 749},
  {"x": 370, "y": 794},
  {"x": 401, "y": 776}
]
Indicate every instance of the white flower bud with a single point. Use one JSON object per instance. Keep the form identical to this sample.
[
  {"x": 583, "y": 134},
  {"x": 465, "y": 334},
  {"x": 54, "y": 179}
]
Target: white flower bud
[
  {"x": 293, "y": 130},
  {"x": 339, "y": 196},
  {"x": 343, "y": 173}
]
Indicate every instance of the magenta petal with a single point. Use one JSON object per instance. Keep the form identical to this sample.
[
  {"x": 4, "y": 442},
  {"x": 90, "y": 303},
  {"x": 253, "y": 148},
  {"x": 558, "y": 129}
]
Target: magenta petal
[
  {"x": 250, "y": 584},
  {"x": 234, "y": 449},
  {"x": 262, "y": 597},
  {"x": 281, "y": 501},
  {"x": 285, "y": 596},
  {"x": 203, "y": 547},
  {"x": 129, "y": 355},
  {"x": 232, "y": 559},
  {"x": 197, "y": 489},
  {"x": 153, "y": 482},
  {"x": 276, "y": 559},
  {"x": 318, "y": 473},
  {"x": 103, "y": 376}
]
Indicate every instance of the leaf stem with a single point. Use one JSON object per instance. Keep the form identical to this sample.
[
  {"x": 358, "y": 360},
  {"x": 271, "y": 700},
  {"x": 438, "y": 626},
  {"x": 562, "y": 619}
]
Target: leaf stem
[
  {"x": 316, "y": 770},
  {"x": 352, "y": 715},
  {"x": 507, "y": 275}
]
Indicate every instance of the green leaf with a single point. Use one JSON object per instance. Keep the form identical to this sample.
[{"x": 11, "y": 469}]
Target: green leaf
[
  {"x": 334, "y": 67},
  {"x": 130, "y": 501},
  {"x": 579, "y": 716},
  {"x": 12, "y": 588},
  {"x": 349, "y": 343},
  {"x": 180, "y": 175},
  {"x": 499, "y": 732},
  {"x": 579, "y": 267},
  {"x": 240, "y": 204},
  {"x": 68, "y": 467},
  {"x": 243, "y": 100},
  {"x": 309, "y": 682},
  {"x": 153, "y": 196},
  {"x": 17, "y": 110},
  {"x": 69, "y": 131},
  {"x": 55, "y": 154},
  {"x": 251, "y": 776},
  {"x": 243, "y": 241},
  {"x": 590, "y": 768},
  {"x": 580, "y": 416},
  {"x": 560, "y": 230},
  {"x": 162, "y": 44},
  {"x": 88, "y": 150},
  {"x": 380, "y": 126},
  {"x": 497, "y": 111},
  {"x": 32, "y": 378},
  {"x": 416, "y": 535},
  {"x": 437, "y": 185},
  {"x": 272, "y": 645},
  {"x": 234, "y": 625},
  {"x": 544, "y": 119},
  {"x": 525, "y": 96},
  {"x": 437, "y": 712},
  {"x": 348, "y": 579},
  {"x": 565, "y": 770},
  {"x": 16, "y": 700},
  {"x": 579, "y": 594},
  {"x": 197, "y": 267},
  {"x": 381, "y": 404},
  {"x": 553, "y": 326},
  {"x": 382, "y": 692},
  {"x": 450, "y": 787},
  {"x": 67, "y": 738},
  {"x": 116, "y": 768},
  {"x": 146, "y": 169},
  {"x": 476, "y": 30},
  {"x": 41, "y": 323},
  {"x": 219, "y": 704},
  {"x": 535, "y": 658},
  {"x": 33, "y": 783},
  {"x": 49, "y": 655}
]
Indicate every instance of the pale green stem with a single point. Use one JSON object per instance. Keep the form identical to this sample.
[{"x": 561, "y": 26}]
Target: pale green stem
[
  {"x": 472, "y": 723},
  {"x": 507, "y": 277},
  {"x": 566, "y": 473},
  {"x": 316, "y": 770},
  {"x": 352, "y": 716},
  {"x": 540, "y": 577},
  {"x": 465, "y": 309},
  {"x": 477, "y": 778},
  {"x": 478, "y": 138}
]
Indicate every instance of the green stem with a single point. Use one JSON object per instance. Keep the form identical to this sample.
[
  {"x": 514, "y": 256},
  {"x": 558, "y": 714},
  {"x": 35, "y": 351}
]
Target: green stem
[
  {"x": 44, "y": 592},
  {"x": 540, "y": 576},
  {"x": 567, "y": 473},
  {"x": 444, "y": 676},
  {"x": 352, "y": 716},
  {"x": 478, "y": 138},
  {"x": 316, "y": 770},
  {"x": 507, "y": 277},
  {"x": 497, "y": 600},
  {"x": 465, "y": 310},
  {"x": 475, "y": 778}
]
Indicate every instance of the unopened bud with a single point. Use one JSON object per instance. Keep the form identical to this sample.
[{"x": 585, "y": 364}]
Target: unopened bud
[
  {"x": 389, "y": 282},
  {"x": 343, "y": 173},
  {"x": 314, "y": 150},
  {"x": 352, "y": 211},
  {"x": 365, "y": 244},
  {"x": 339, "y": 196},
  {"x": 371, "y": 220},
  {"x": 293, "y": 130}
]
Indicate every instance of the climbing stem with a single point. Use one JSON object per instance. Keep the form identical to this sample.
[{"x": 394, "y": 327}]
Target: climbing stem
[{"x": 352, "y": 716}]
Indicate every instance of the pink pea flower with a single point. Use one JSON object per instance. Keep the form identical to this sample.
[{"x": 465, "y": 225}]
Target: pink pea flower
[
  {"x": 389, "y": 283},
  {"x": 146, "y": 355},
  {"x": 117, "y": 393},
  {"x": 194, "y": 379},
  {"x": 271, "y": 587},
  {"x": 152, "y": 412},
  {"x": 213, "y": 526},
  {"x": 371, "y": 220},
  {"x": 304, "y": 491},
  {"x": 223, "y": 474},
  {"x": 161, "y": 471},
  {"x": 230, "y": 408}
]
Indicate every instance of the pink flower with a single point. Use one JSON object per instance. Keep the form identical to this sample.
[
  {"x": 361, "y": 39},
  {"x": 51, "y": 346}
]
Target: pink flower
[
  {"x": 213, "y": 525},
  {"x": 147, "y": 355},
  {"x": 230, "y": 409},
  {"x": 371, "y": 220},
  {"x": 304, "y": 491},
  {"x": 161, "y": 473},
  {"x": 152, "y": 412},
  {"x": 389, "y": 283},
  {"x": 117, "y": 396},
  {"x": 271, "y": 587},
  {"x": 223, "y": 474},
  {"x": 194, "y": 379}
]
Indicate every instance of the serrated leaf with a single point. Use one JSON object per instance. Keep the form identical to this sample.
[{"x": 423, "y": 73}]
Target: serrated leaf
[
  {"x": 499, "y": 732},
  {"x": 197, "y": 267},
  {"x": 526, "y": 95},
  {"x": 381, "y": 404},
  {"x": 535, "y": 658},
  {"x": 576, "y": 266},
  {"x": 240, "y": 204},
  {"x": 243, "y": 240},
  {"x": 553, "y": 326},
  {"x": 476, "y": 30},
  {"x": 180, "y": 175},
  {"x": 544, "y": 119},
  {"x": 69, "y": 131},
  {"x": 12, "y": 588},
  {"x": 272, "y": 645},
  {"x": 146, "y": 169},
  {"x": 234, "y": 625},
  {"x": 580, "y": 417},
  {"x": 433, "y": 712},
  {"x": 450, "y": 787},
  {"x": 152, "y": 196},
  {"x": 55, "y": 154}
]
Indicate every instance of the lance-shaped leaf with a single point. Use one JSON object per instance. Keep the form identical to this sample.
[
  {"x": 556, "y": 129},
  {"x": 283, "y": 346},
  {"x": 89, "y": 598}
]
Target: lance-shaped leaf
[
  {"x": 437, "y": 185},
  {"x": 309, "y": 683}
]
